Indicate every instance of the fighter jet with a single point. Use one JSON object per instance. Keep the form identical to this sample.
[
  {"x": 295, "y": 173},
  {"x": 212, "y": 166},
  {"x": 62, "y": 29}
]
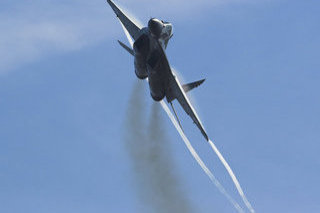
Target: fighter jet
[{"x": 151, "y": 63}]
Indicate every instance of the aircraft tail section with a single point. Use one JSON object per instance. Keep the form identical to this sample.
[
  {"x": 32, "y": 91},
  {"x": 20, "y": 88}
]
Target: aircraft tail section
[
  {"x": 186, "y": 88},
  {"x": 126, "y": 48},
  {"x": 190, "y": 86}
]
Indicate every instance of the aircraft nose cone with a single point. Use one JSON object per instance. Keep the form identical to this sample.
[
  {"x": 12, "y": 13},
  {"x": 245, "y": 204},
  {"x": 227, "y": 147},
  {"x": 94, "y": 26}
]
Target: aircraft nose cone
[{"x": 155, "y": 26}]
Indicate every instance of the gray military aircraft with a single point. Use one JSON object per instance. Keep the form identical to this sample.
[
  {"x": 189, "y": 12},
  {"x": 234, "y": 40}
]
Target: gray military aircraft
[{"x": 150, "y": 61}]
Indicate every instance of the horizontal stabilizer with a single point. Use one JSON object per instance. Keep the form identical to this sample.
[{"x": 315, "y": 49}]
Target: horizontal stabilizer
[
  {"x": 186, "y": 88},
  {"x": 126, "y": 48},
  {"x": 190, "y": 86}
]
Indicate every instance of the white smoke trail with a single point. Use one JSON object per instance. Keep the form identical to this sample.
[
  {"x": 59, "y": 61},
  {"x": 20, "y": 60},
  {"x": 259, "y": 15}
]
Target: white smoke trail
[
  {"x": 226, "y": 165},
  {"x": 232, "y": 175},
  {"x": 198, "y": 159}
]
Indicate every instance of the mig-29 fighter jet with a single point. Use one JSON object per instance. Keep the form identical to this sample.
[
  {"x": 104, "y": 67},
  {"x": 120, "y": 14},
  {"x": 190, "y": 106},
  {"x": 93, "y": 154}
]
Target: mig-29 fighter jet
[{"x": 151, "y": 63}]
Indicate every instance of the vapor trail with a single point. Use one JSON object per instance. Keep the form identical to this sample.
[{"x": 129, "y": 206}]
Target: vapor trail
[
  {"x": 232, "y": 175},
  {"x": 198, "y": 159},
  {"x": 228, "y": 168}
]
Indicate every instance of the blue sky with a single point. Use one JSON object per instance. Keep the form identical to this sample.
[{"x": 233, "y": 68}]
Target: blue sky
[{"x": 65, "y": 84}]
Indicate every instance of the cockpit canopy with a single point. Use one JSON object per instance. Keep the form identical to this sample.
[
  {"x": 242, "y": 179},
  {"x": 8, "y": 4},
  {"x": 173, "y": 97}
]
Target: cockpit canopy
[
  {"x": 155, "y": 26},
  {"x": 160, "y": 29}
]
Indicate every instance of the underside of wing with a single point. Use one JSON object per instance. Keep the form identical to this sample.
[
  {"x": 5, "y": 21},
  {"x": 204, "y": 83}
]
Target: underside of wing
[
  {"x": 128, "y": 23},
  {"x": 176, "y": 92}
]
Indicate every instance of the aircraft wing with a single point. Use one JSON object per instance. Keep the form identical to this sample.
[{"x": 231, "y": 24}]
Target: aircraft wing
[
  {"x": 132, "y": 28},
  {"x": 178, "y": 93},
  {"x": 174, "y": 90}
]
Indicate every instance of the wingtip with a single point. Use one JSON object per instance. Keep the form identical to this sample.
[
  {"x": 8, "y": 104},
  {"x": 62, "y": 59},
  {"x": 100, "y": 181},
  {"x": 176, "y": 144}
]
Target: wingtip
[
  {"x": 203, "y": 132},
  {"x": 112, "y": 4},
  {"x": 205, "y": 135}
]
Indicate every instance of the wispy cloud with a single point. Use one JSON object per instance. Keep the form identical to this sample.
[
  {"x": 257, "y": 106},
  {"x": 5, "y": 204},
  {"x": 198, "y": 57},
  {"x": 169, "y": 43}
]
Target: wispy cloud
[{"x": 37, "y": 28}]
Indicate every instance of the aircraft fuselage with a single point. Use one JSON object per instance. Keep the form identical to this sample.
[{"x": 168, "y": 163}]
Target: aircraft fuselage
[{"x": 147, "y": 54}]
